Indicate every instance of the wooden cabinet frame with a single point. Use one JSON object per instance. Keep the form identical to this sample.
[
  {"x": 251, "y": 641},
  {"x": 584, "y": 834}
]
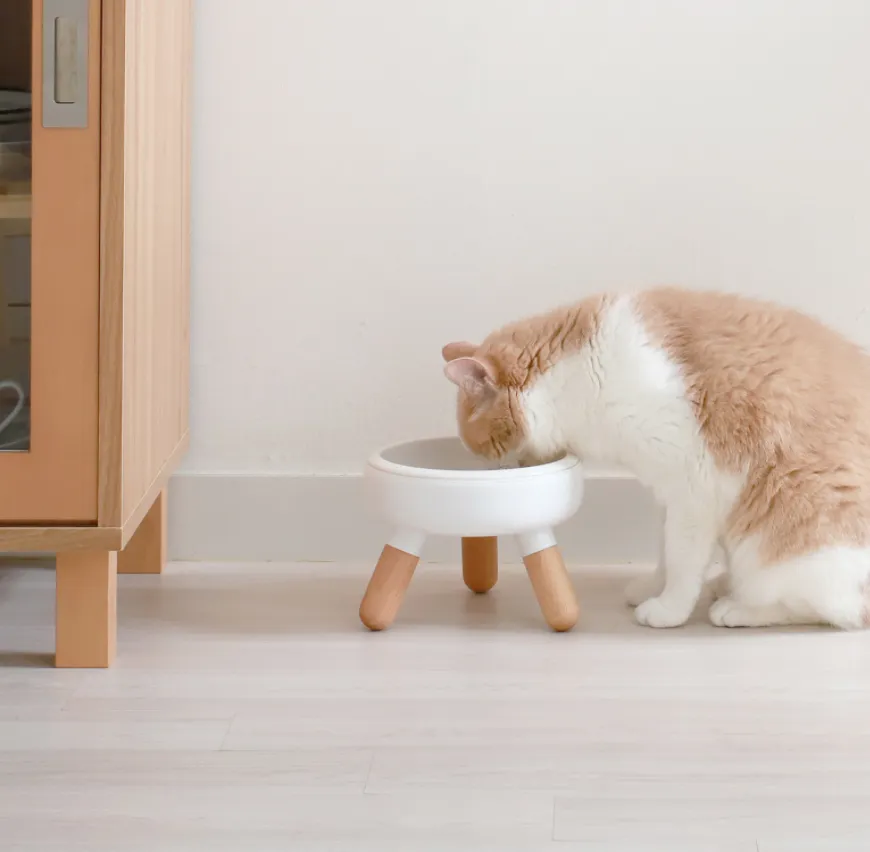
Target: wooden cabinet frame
[{"x": 113, "y": 344}]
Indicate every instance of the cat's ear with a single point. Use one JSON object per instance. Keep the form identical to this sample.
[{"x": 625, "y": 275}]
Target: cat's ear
[
  {"x": 474, "y": 375},
  {"x": 460, "y": 349}
]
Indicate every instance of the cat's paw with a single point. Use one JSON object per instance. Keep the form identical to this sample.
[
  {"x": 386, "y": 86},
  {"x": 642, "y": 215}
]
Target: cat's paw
[
  {"x": 655, "y": 613},
  {"x": 727, "y": 612},
  {"x": 643, "y": 588}
]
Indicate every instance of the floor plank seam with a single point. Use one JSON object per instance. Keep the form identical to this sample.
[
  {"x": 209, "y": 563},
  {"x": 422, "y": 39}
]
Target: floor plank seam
[
  {"x": 553, "y": 822},
  {"x": 226, "y": 736},
  {"x": 365, "y": 789}
]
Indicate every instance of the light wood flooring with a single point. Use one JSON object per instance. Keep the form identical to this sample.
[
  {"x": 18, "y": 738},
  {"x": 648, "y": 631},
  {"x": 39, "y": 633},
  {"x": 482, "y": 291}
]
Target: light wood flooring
[{"x": 249, "y": 711}]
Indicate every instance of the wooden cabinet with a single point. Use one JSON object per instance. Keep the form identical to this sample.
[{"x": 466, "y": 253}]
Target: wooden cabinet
[{"x": 94, "y": 281}]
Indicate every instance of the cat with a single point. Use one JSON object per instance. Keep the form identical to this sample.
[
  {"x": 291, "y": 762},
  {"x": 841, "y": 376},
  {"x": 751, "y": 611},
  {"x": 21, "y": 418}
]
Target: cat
[{"x": 750, "y": 423}]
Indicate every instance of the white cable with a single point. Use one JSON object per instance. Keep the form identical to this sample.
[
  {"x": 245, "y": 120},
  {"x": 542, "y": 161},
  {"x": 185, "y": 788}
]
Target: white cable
[{"x": 17, "y": 443}]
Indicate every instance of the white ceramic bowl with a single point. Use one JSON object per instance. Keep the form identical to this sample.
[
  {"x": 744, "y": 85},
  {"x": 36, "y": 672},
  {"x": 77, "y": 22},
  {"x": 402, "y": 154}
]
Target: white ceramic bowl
[{"x": 437, "y": 487}]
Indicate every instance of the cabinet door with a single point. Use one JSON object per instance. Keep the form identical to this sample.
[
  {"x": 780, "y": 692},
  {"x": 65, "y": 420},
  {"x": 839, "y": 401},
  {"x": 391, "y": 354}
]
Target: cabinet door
[{"x": 49, "y": 260}]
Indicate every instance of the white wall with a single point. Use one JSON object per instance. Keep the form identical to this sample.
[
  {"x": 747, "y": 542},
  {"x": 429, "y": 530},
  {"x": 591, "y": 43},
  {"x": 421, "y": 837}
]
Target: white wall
[{"x": 376, "y": 177}]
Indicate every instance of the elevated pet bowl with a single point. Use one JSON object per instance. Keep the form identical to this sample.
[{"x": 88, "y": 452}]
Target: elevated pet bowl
[{"x": 436, "y": 487}]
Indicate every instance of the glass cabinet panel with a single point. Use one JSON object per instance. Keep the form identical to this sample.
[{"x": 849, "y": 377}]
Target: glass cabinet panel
[
  {"x": 16, "y": 122},
  {"x": 50, "y": 85}
]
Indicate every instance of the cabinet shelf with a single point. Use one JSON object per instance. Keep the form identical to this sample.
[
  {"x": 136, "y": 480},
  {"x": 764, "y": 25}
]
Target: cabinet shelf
[{"x": 17, "y": 203}]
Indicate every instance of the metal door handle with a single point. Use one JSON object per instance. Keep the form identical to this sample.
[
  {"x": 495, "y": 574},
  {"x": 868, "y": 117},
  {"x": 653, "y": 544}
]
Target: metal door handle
[{"x": 65, "y": 63}]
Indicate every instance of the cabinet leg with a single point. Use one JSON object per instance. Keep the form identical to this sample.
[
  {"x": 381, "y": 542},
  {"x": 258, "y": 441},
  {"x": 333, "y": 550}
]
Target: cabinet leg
[
  {"x": 480, "y": 563},
  {"x": 86, "y": 609},
  {"x": 550, "y": 580},
  {"x": 145, "y": 553}
]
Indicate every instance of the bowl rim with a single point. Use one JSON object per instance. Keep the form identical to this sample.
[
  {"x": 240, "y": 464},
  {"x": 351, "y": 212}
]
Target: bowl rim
[{"x": 377, "y": 462}]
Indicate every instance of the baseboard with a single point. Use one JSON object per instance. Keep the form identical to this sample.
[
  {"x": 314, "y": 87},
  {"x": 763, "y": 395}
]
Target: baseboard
[{"x": 240, "y": 517}]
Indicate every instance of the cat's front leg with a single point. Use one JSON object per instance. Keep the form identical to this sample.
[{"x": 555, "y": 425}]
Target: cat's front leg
[
  {"x": 649, "y": 585},
  {"x": 689, "y": 540}
]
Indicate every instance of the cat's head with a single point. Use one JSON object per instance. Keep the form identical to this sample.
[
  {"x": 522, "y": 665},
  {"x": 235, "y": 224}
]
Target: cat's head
[
  {"x": 514, "y": 385},
  {"x": 489, "y": 410}
]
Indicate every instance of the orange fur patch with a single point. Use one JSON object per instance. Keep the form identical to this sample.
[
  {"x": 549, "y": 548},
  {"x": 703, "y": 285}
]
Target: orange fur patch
[
  {"x": 783, "y": 398},
  {"x": 524, "y": 350}
]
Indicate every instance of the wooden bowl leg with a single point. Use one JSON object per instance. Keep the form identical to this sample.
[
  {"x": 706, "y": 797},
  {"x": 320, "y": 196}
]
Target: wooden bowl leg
[
  {"x": 387, "y": 587},
  {"x": 550, "y": 581},
  {"x": 480, "y": 563}
]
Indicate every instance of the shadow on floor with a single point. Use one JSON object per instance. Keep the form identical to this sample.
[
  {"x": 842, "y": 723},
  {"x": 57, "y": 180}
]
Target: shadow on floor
[
  {"x": 25, "y": 660},
  {"x": 311, "y": 601}
]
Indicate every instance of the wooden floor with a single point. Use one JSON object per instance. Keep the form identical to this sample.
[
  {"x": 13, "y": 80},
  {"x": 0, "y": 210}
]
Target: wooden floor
[{"x": 249, "y": 711}]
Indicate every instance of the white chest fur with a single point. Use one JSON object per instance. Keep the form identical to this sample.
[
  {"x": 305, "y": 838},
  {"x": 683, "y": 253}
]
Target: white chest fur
[{"x": 622, "y": 400}]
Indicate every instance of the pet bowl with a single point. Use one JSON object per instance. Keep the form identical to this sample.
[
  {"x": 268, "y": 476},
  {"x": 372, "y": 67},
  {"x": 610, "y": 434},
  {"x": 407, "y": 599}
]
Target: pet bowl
[{"x": 437, "y": 487}]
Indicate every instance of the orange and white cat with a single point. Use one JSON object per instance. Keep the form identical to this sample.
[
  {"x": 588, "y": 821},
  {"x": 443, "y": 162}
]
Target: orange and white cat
[{"x": 750, "y": 422}]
